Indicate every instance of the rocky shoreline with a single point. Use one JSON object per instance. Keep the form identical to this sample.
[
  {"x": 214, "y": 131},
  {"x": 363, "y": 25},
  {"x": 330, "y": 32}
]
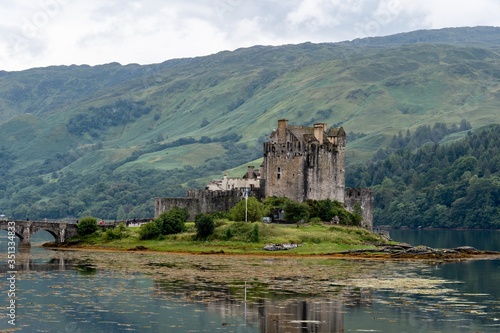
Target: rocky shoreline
[{"x": 407, "y": 251}]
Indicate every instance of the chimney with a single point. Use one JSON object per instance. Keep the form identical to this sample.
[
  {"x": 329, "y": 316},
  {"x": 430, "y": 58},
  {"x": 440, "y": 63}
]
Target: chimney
[
  {"x": 282, "y": 124},
  {"x": 319, "y": 129},
  {"x": 250, "y": 172}
]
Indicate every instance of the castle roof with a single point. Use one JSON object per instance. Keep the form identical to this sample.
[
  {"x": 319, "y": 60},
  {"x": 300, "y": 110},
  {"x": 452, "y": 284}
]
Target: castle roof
[
  {"x": 307, "y": 134},
  {"x": 336, "y": 131},
  {"x": 303, "y": 133},
  {"x": 300, "y": 131}
]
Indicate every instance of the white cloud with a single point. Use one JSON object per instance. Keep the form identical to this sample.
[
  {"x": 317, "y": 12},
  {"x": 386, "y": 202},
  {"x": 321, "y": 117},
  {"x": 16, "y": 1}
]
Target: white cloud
[{"x": 52, "y": 32}]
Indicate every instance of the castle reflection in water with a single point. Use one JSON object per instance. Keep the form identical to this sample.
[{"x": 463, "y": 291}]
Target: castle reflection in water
[{"x": 277, "y": 313}]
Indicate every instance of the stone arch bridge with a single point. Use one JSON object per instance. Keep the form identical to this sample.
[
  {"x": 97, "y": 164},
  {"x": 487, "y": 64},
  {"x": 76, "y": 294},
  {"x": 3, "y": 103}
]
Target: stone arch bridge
[{"x": 61, "y": 230}]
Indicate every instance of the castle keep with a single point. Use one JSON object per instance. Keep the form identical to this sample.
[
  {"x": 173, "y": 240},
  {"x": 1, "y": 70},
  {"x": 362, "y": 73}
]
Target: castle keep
[
  {"x": 304, "y": 163},
  {"x": 300, "y": 163}
]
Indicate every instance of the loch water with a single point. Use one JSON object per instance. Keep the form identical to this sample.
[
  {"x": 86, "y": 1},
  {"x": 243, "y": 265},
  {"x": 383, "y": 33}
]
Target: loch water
[{"x": 55, "y": 293}]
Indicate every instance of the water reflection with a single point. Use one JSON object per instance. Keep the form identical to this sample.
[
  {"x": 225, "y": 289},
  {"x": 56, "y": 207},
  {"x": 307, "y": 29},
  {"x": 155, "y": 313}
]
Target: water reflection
[
  {"x": 68, "y": 292},
  {"x": 26, "y": 264},
  {"x": 252, "y": 308}
]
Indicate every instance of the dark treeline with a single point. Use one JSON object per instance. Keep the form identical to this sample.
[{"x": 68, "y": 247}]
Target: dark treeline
[
  {"x": 438, "y": 185},
  {"x": 97, "y": 119}
]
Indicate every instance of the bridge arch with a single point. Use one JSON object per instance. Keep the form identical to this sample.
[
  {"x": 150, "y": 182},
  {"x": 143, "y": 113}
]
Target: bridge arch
[
  {"x": 18, "y": 235},
  {"x": 46, "y": 235}
]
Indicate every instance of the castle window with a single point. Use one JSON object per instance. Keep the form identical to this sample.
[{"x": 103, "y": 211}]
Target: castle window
[
  {"x": 279, "y": 172},
  {"x": 310, "y": 160}
]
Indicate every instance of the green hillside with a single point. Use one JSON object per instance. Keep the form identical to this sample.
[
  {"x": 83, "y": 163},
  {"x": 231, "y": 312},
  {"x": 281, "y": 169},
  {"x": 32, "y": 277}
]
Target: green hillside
[{"x": 105, "y": 140}]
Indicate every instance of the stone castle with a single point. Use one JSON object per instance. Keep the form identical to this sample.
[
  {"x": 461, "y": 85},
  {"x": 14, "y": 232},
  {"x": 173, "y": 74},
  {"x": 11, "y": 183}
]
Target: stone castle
[
  {"x": 300, "y": 163},
  {"x": 304, "y": 163}
]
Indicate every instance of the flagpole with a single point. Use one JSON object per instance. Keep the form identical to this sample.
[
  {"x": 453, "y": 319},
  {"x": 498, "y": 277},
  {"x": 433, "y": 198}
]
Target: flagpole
[{"x": 246, "y": 204}]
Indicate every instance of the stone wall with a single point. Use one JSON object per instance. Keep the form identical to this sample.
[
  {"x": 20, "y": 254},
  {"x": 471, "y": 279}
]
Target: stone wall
[
  {"x": 364, "y": 197},
  {"x": 200, "y": 201},
  {"x": 165, "y": 204},
  {"x": 325, "y": 173},
  {"x": 283, "y": 171}
]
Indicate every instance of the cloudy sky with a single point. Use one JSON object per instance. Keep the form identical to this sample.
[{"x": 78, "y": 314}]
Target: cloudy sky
[{"x": 39, "y": 33}]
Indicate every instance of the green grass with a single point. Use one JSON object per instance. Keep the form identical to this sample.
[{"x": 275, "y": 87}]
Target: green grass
[
  {"x": 312, "y": 239},
  {"x": 193, "y": 155}
]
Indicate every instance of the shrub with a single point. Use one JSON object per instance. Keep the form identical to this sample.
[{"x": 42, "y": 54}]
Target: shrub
[
  {"x": 228, "y": 234},
  {"x": 172, "y": 221},
  {"x": 220, "y": 215},
  {"x": 149, "y": 231},
  {"x": 122, "y": 227},
  {"x": 219, "y": 222},
  {"x": 87, "y": 226},
  {"x": 237, "y": 231},
  {"x": 116, "y": 233},
  {"x": 327, "y": 209},
  {"x": 254, "y": 236},
  {"x": 315, "y": 220},
  {"x": 205, "y": 226},
  {"x": 112, "y": 234}
]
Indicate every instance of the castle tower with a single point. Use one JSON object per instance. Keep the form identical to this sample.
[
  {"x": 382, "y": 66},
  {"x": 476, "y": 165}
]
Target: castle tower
[{"x": 304, "y": 163}]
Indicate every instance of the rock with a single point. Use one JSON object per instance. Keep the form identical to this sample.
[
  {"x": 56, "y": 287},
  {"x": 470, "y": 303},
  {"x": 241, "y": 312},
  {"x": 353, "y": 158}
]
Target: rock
[
  {"x": 420, "y": 249},
  {"x": 279, "y": 247},
  {"x": 466, "y": 249}
]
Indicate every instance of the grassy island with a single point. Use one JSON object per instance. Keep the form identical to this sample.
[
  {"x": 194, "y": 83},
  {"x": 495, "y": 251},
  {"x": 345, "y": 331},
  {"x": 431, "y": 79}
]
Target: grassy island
[{"x": 238, "y": 238}]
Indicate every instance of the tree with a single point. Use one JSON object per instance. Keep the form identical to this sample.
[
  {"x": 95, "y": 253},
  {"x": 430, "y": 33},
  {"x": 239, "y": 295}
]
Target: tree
[
  {"x": 255, "y": 210},
  {"x": 172, "y": 221},
  {"x": 273, "y": 205},
  {"x": 296, "y": 212},
  {"x": 87, "y": 226},
  {"x": 323, "y": 209},
  {"x": 205, "y": 225}
]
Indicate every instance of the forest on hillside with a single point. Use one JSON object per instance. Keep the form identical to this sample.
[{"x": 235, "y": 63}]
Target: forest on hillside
[{"x": 454, "y": 185}]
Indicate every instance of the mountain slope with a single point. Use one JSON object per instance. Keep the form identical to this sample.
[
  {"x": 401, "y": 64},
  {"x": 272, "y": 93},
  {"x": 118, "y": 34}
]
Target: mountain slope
[{"x": 79, "y": 126}]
